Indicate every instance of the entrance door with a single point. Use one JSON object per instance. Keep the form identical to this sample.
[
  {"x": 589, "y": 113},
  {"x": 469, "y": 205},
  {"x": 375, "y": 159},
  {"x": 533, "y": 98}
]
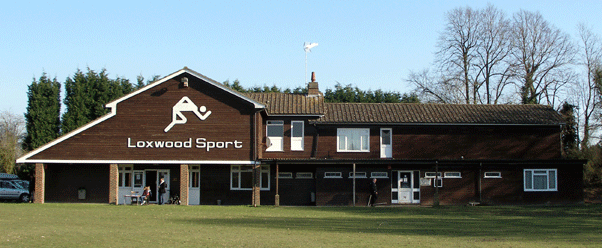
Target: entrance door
[
  {"x": 194, "y": 189},
  {"x": 152, "y": 182},
  {"x": 386, "y": 149},
  {"x": 405, "y": 187}
]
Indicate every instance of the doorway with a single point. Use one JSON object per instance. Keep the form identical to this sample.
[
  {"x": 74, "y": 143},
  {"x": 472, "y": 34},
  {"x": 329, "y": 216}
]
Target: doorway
[{"x": 405, "y": 187}]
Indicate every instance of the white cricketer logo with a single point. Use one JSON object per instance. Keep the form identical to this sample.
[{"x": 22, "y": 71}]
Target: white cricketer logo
[{"x": 185, "y": 104}]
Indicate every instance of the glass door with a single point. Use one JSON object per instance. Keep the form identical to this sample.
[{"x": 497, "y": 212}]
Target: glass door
[
  {"x": 386, "y": 148},
  {"x": 405, "y": 187},
  {"x": 194, "y": 189}
]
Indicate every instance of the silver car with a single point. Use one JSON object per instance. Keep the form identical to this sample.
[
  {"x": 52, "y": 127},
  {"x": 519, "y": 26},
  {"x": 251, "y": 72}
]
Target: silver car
[{"x": 11, "y": 190}]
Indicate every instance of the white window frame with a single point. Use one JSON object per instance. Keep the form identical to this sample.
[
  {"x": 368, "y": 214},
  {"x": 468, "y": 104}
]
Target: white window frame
[
  {"x": 499, "y": 174},
  {"x": 379, "y": 174},
  {"x": 449, "y": 174},
  {"x": 297, "y": 143},
  {"x": 194, "y": 172},
  {"x": 236, "y": 169},
  {"x": 285, "y": 175},
  {"x": 344, "y": 134},
  {"x": 280, "y": 138},
  {"x": 540, "y": 173},
  {"x": 431, "y": 174},
  {"x": 438, "y": 183},
  {"x": 126, "y": 171},
  {"x": 304, "y": 175},
  {"x": 359, "y": 174},
  {"x": 331, "y": 174}
]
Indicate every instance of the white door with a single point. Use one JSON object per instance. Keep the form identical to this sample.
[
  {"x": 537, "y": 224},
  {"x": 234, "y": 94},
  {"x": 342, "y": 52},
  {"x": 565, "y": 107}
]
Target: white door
[
  {"x": 405, "y": 187},
  {"x": 194, "y": 187},
  {"x": 386, "y": 148}
]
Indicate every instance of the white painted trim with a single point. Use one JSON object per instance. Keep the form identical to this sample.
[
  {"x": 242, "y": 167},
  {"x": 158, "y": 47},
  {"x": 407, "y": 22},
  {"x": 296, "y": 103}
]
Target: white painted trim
[
  {"x": 113, "y": 106},
  {"x": 57, "y": 161}
]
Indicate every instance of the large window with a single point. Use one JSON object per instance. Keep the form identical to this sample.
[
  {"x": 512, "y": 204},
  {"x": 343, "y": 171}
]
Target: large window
[
  {"x": 540, "y": 180},
  {"x": 241, "y": 177},
  {"x": 353, "y": 140},
  {"x": 297, "y": 133},
  {"x": 274, "y": 133},
  {"x": 125, "y": 176}
]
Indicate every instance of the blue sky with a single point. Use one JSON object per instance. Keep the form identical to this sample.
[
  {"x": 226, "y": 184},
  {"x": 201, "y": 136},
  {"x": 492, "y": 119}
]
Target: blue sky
[{"x": 369, "y": 44}]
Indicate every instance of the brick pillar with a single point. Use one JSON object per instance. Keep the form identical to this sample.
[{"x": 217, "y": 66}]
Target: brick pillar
[
  {"x": 113, "y": 184},
  {"x": 40, "y": 184},
  {"x": 256, "y": 185},
  {"x": 184, "y": 177}
]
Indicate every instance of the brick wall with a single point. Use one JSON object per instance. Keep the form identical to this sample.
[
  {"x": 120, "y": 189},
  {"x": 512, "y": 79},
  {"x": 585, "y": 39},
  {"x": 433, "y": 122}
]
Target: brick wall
[
  {"x": 40, "y": 182},
  {"x": 184, "y": 177},
  {"x": 113, "y": 184}
]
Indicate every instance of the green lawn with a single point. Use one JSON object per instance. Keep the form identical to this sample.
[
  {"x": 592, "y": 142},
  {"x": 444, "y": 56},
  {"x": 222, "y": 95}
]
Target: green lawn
[{"x": 100, "y": 225}]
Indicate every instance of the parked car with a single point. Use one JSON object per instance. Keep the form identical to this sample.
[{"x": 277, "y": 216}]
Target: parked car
[{"x": 12, "y": 190}]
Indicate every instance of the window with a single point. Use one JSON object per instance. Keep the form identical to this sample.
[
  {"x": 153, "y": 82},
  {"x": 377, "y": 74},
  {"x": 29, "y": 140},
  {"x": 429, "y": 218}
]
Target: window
[
  {"x": 353, "y": 140},
  {"x": 138, "y": 177},
  {"x": 241, "y": 177},
  {"x": 540, "y": 180},
  {"x": 333, "y": 175},
  {"x": 453, "y": 175},
  {"x": 125, "y": 176},
  {"x": 379, "y": 175},
  {"x": 431, "y": 174},
  {"x": 439, "y": 183},
  {"x": 274, "y": 133},
  {"x": 493, "y": 174},
  {"x": 358, "y": 174},
  {"x": 195, "y": 175},
  {"x": 285, "y": 175},
  {"x": 297, "y": 133},
  {"x": 305, "y": 175}
]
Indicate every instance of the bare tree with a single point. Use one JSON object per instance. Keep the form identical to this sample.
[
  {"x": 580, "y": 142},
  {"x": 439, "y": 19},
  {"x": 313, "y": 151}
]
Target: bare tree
[
  {"x": 540, "y": 50},
  {"x": 433, "y": 87},
  {"x": 590, "y": 58},
  {"x": 12, "y": 130},
  {"x": 456, "y": 50},
  {"x": 492, "y": 50}
]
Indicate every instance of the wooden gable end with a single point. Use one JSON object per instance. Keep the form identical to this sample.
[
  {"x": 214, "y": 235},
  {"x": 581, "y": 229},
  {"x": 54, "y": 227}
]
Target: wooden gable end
[{"x": 165, "y": 122}]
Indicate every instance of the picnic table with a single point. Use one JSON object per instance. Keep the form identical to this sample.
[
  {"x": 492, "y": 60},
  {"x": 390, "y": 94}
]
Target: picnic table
[{"x": 134, "y": 198}]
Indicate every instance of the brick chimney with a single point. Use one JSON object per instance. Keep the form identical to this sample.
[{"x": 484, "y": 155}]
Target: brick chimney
[{"x": 312, "y": 87}]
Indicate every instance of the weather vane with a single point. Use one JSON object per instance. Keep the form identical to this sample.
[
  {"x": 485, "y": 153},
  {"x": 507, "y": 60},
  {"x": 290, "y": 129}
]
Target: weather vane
[{"x": 307, "y": 47}]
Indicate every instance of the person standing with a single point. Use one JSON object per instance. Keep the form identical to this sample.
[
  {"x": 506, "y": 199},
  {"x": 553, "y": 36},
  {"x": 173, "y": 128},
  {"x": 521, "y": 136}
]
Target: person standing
[
  {"x": 162, "y": 191},
  {"x": 373, "y": 192}
]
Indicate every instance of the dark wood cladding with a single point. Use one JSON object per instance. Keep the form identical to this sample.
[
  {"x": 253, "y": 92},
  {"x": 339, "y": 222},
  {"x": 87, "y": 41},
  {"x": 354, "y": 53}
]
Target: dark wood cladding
[
  {"x": 432, "y": 142},
  {"x": 64, "y": 180},
  {"x": 144, "y": 117}
]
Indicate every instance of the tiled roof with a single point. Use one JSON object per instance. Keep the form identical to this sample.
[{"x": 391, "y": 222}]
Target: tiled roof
[
  {"x": 289, "y": 104},
  {"x": 438, "y": 113}
]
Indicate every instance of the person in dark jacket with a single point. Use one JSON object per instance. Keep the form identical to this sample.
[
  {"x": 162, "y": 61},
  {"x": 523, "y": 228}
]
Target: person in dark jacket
[
  {"x": 373, "y": 192},
  {"x": 162, "y": 191}
]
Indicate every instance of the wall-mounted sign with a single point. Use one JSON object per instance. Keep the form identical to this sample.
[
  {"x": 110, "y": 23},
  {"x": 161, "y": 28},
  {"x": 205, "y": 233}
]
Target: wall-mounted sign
[
  {"x": 199, "y": 143},
  {"x": 185, "y": 104}
]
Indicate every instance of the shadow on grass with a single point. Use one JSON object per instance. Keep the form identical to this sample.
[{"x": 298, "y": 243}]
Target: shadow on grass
[{"x": 580, "y": 224}]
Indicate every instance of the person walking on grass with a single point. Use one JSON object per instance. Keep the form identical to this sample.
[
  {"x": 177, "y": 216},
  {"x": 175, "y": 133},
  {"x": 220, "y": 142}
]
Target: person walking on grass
[{"x": 373, "y": 192}]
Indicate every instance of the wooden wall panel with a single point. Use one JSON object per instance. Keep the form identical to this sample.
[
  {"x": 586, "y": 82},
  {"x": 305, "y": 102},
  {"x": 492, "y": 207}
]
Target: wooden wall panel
[{"x": 144, "y": 117}]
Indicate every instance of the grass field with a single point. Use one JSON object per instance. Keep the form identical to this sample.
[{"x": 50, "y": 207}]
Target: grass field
[{"x": 100, "y": 225}]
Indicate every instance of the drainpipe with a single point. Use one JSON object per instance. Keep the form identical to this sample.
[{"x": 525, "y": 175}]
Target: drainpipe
[
  {"x": 277, "y": 197},
  {"x": 480, "y": 182},
  {"x": 354, "y": 176},
  {"x": 436, "y": 197}
]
